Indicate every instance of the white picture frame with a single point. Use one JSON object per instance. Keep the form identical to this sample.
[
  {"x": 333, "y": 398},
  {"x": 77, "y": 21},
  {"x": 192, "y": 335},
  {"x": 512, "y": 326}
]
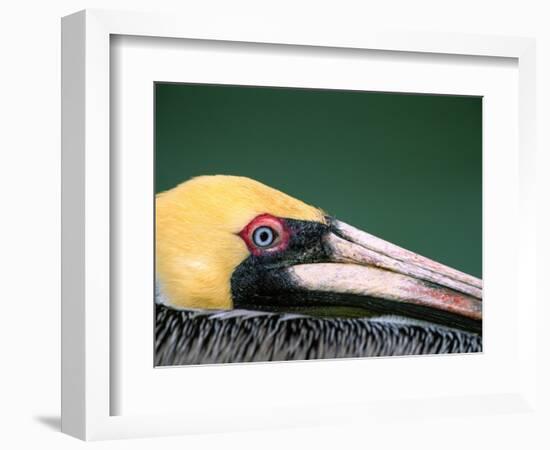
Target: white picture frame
[{"x": 88, "y": 387}]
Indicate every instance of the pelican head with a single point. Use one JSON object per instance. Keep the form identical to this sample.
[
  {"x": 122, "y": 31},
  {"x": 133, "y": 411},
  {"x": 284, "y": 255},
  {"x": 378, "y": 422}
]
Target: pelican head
[{"x": 226, "y": 242}]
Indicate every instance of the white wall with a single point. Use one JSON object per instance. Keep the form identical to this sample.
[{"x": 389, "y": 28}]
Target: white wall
[{"x": 29, "y": 228}]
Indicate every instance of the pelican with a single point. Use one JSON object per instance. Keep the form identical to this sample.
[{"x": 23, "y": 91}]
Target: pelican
[{"x": 245, "y": 272}]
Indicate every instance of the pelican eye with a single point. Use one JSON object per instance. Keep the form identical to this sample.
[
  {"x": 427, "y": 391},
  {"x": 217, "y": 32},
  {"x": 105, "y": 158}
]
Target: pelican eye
[{"x": 264, "y": 236}]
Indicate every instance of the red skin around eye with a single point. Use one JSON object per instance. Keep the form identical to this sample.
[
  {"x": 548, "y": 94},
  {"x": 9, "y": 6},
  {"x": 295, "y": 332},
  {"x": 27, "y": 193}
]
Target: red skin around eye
[{"x": 266, "y": 220}]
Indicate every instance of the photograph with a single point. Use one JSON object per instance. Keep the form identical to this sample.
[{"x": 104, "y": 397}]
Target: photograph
[
  {"x": 275, "y": 227},
  {"x": 300, "y": 224}
]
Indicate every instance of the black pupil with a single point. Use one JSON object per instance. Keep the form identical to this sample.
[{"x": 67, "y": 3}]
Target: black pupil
[{"x": 264, "y": 236}]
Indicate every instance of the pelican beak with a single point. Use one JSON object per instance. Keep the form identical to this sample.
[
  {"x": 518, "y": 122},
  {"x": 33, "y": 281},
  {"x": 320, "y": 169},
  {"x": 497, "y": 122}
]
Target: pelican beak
[{"x": 366, "y": 271}]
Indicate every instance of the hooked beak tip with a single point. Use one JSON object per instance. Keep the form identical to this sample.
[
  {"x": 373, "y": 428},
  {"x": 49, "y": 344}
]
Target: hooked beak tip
[{"x": 365, "y": 266}]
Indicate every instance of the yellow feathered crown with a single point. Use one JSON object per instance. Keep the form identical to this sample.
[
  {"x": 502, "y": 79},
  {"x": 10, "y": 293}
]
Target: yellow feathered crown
[{"x": 197, "y": 241}]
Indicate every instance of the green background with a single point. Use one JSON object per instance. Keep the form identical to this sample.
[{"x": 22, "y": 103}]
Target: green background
[{"x": 407, "y": 168}]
